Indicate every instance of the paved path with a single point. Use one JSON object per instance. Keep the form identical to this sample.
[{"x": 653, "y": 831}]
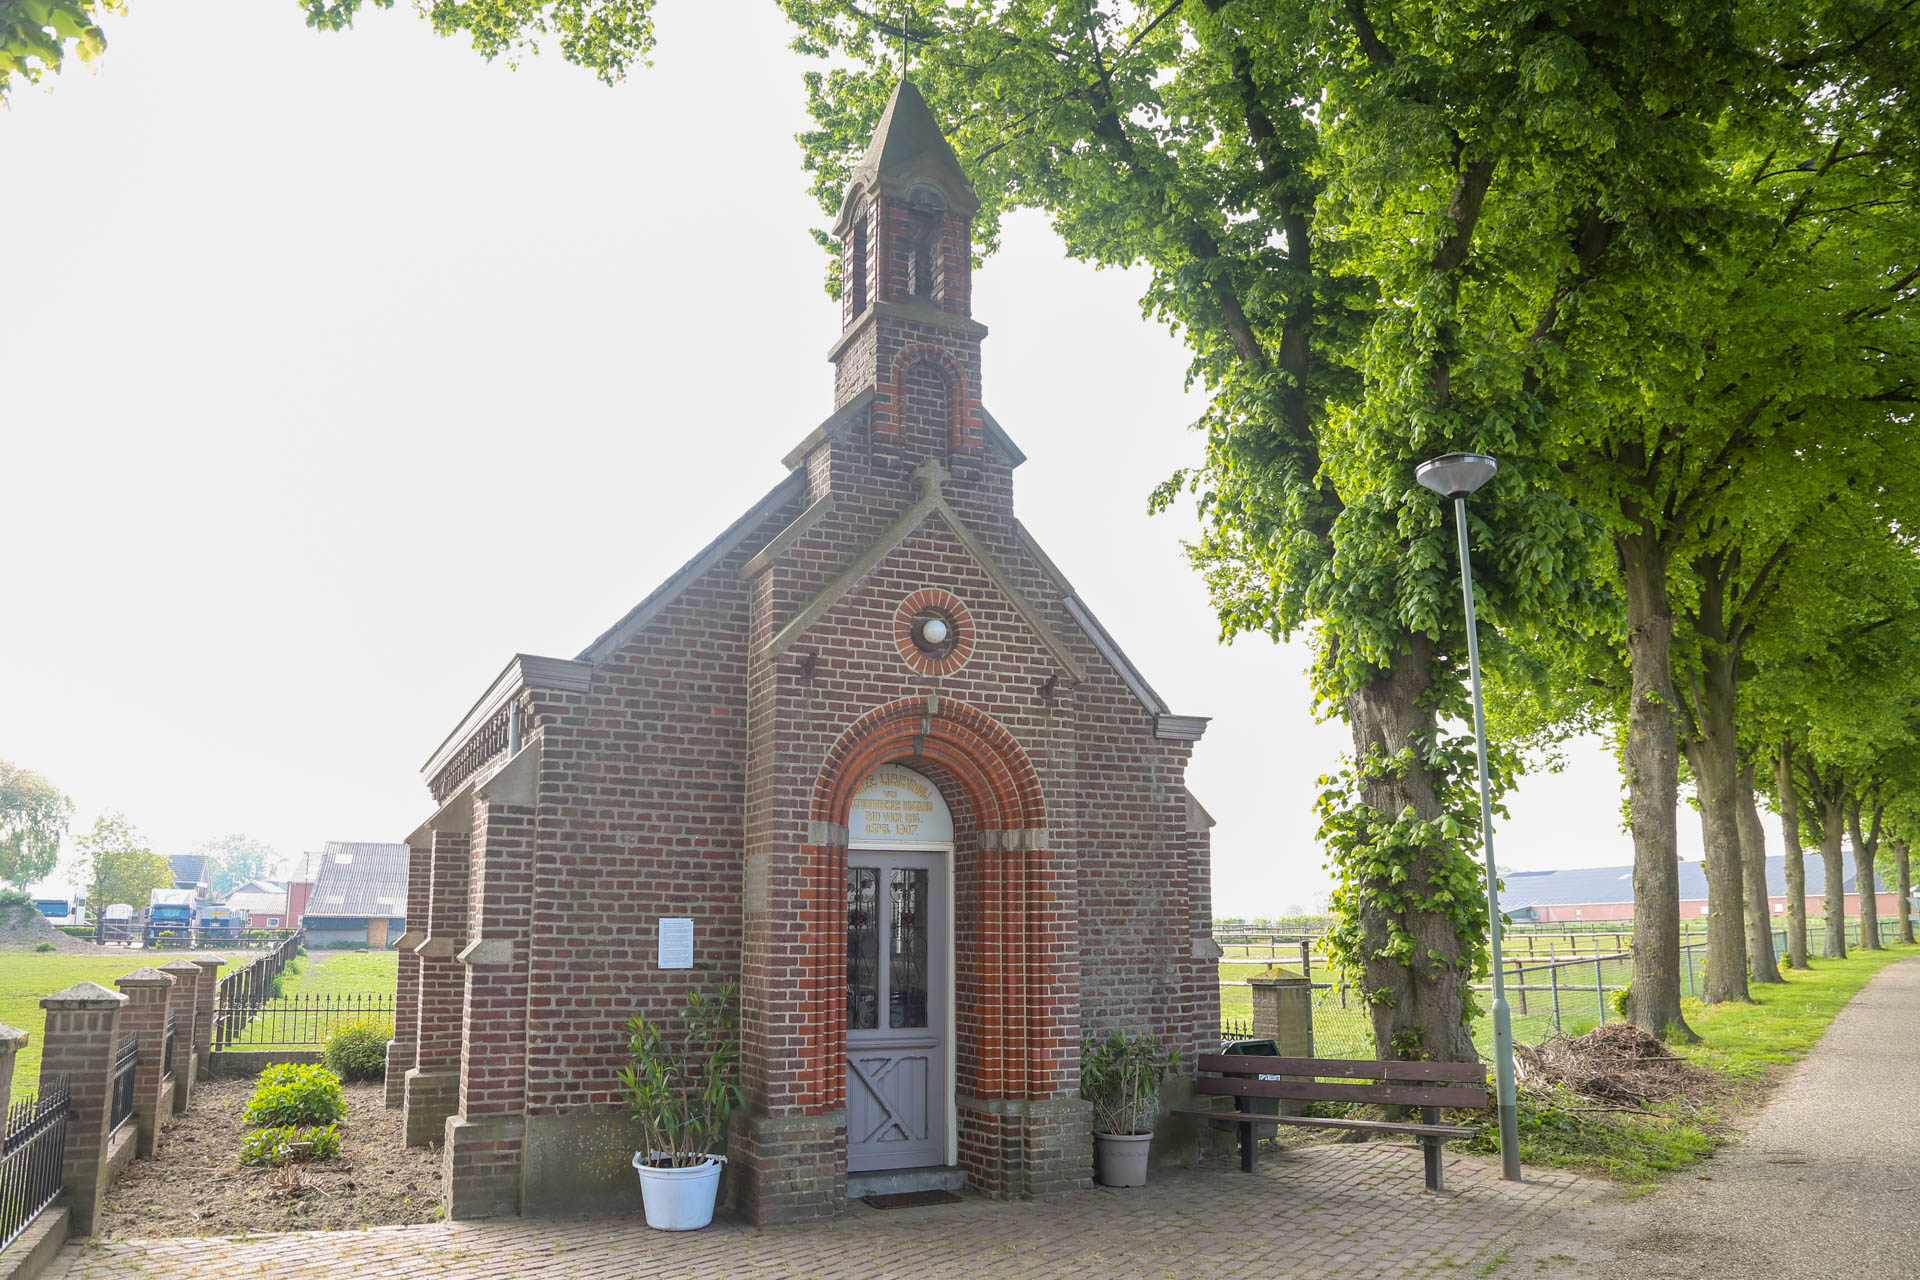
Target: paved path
[
  {"x": 1826, "y": 1181},
  {"x": 1345, "y": 1211}
]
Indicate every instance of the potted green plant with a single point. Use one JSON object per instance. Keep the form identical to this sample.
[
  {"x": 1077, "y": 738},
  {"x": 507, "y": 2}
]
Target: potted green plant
[
  {"x": 1120, "y": 1075},
  {"x": 682, "y": 1092}
]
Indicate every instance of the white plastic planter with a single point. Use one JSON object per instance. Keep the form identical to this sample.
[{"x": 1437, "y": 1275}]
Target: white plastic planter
[{"x": 679, "y": 1199}]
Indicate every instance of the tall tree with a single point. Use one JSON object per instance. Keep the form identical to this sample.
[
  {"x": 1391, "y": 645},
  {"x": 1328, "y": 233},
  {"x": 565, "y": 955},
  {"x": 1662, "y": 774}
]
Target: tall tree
[
  {"x": 235, "y": 859},
  {"x": 115, "y": 865},
  {"x": 33, "y": 818},
  {"x": 1362, "y": 219}
]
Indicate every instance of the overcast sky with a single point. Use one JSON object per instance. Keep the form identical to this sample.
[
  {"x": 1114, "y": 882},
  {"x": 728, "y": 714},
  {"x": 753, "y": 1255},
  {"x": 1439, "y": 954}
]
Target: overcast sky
[{"x": 338, "y": 369}]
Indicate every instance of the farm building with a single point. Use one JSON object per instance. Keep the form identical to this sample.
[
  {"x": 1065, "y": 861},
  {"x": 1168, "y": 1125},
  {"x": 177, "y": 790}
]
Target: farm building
[
  {"x": 189, "y": 872},
  {"x": 263, "y": 901},
  {"x": 867, "y": 755},
  {"x": 359, "y": 895},
  {"x": 1606, "y": 893}
]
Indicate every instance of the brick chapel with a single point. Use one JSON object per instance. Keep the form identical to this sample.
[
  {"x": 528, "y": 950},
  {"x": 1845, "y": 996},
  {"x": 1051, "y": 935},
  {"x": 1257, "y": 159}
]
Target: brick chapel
[{"x": 867, "y": 754}]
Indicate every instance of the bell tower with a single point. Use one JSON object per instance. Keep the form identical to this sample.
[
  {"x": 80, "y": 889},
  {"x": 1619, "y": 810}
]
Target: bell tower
[{"x": 906, "y": 235}]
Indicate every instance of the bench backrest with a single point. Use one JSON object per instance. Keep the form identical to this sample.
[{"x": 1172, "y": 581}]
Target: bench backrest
[{"x": 1413, "y": 1084}]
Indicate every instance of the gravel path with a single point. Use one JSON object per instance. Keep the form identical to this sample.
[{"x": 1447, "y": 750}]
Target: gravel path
[{"x": 1826, "y": 1181}]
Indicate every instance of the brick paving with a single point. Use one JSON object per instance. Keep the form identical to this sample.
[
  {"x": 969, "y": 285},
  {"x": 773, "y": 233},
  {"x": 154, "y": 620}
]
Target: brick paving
[{"x": 1357, "y": 1212}]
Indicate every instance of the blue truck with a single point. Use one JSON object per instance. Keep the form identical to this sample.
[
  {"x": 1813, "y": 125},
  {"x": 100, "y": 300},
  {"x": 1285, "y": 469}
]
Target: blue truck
[{"x": 170, "y": 918}]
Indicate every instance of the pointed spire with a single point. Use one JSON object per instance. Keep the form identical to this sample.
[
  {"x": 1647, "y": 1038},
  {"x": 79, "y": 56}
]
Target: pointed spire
[{"x": 908, "y": 147}]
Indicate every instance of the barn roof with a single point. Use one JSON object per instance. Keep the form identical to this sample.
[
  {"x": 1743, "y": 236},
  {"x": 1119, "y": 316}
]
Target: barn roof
[
  {"x": 1592, "y": 886},
  {"x": 360, "y": 879}
]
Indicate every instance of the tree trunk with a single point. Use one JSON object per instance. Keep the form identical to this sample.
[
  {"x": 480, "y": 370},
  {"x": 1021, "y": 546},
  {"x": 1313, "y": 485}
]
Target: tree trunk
[
  {"x": 1865, "y": 883},
  {"x": 1833, "y": 826},
  {"x": 1903, "y": 884},
  {"x": 1796, "y": 859},
  {"x": 1653, "y": 790},
  {"x": 1762, "y": 964},
  {"x": 1423, "y": 1011},
  {"x": 1713, "y": 753}
]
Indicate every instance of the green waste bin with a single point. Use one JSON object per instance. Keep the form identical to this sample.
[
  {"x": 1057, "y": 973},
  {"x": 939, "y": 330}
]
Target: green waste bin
[{"x": 1257, "y": 1049}]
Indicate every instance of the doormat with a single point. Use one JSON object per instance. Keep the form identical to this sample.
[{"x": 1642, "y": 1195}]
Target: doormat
[{"x": 912, "y": 1199}]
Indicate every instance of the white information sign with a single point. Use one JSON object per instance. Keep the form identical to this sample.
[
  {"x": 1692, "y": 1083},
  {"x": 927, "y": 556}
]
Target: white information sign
[
  {"x": 676, "y": 944},
  {"x": 898, "y": 807}
]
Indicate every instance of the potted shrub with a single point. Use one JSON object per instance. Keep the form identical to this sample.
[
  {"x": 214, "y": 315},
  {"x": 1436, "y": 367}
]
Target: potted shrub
[
  {"x": 682, "y": 1093},
  {"x": 1120, "y": 1075}
]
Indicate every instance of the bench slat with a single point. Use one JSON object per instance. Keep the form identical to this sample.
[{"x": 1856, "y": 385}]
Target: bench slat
[
  {"x": 1314, "y": 1122},
  {"x": 1411, "y": 1095},
  {"x": 1234, "y": 1063}
]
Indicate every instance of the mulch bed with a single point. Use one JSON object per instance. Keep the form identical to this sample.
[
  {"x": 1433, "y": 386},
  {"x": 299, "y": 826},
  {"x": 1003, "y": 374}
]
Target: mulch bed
[{"x": 198, "y": 1187}]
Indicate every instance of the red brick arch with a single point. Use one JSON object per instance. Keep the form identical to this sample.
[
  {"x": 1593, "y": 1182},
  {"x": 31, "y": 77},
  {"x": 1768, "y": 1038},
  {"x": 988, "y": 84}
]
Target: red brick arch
[
  {"x": 962, "y": 402},
  {"x": 1001, "y": 784},
  {"x": 970, "y": 751}
]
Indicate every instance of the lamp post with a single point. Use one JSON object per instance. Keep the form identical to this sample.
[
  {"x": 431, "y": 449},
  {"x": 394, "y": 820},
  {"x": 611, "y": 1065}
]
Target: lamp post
[{"x": 1456, "y": 475}]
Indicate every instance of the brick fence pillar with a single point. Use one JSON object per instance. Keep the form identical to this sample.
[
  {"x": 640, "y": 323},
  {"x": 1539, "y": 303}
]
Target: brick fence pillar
[
  {"x": 185, "y": 1005},
  {"x": 432, "y": 1090},
  {"x": 402, "y": 1048},
  {"x": 82, "y": 1033},
  {"x": 145, "y": 1015},
  {"x": 486, "y": 1140},
  {"x": 203, "y": 998},
  {"x": 1283, "y": 1013}
]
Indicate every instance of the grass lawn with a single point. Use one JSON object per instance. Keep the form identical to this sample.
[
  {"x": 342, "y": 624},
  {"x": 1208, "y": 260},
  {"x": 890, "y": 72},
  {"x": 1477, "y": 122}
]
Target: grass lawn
[
  {"x": 347, "y": 973},
  {"x": 1745, "y": 1044},
  {"x": 26, "y": 977}
]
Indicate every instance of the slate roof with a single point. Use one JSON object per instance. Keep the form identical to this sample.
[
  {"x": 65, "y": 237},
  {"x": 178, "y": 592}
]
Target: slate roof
[
  {"x": 1582, "y": 886},
  {"x": 360, "y": 879},
  {"x": 189, "y": 869}
]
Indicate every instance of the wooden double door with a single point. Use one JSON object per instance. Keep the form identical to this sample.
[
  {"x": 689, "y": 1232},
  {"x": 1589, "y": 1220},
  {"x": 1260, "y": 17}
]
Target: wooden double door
[{"x": 899, "y": 925}]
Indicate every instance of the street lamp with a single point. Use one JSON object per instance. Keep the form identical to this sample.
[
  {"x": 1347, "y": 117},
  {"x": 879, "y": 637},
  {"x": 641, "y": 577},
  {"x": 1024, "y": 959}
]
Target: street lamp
[{"x": 1455, "y": 475}]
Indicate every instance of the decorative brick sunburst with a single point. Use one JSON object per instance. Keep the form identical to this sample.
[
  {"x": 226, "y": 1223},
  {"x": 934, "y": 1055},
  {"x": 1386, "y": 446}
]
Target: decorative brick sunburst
[{"x": 929, "y": 657}]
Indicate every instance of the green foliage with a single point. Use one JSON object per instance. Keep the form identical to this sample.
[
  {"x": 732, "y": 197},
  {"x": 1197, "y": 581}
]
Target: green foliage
[
  {"x": 33, "y": 813},
  {"x": 43, "y": 946},
  {"x": 116, "y": 865},
  {"x": 277, "y": 986},
  {"x": 1620, "y": 1001},
  {"x": 35, "y": 34},
  {"x": 604, "y": 36},
  {"x": 345, "y": 946},
  {"x": 10, "y": 899},
  {"x": 281, "y": 1144},
  {"x": 293, "y": 1094},
  {"x": 1121, "y": 1074},
  {"x": 76, "y": 930},
  {"x": 682, "y": 1089},
  {"x": 357, "y": 1050}
]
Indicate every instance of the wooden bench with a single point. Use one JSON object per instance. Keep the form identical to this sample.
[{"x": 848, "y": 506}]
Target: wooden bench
[{"x": 1427, "y": 1085}]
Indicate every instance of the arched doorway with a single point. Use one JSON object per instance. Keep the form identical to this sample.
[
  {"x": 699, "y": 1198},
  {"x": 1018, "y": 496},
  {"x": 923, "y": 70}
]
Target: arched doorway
[{"x": 900, "y": 974}]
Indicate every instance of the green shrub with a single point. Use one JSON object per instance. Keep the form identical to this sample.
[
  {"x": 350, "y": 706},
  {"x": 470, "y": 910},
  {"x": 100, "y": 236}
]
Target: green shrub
[
  {"x": 10, "y": 898},
  {"x": 277, "y": 1145},
  {"x": 44, "y": 946},
  {"x": 357, "y": 1050},
  {"x": 346, "y": 946},
  {"x": 1121, "y": 1075},
  {"x": 278, "y": 987},
  {"x": 296, "y": 1094}
]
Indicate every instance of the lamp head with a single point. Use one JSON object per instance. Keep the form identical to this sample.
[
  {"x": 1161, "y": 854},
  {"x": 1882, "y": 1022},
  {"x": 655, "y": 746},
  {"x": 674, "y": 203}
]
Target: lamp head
[{"x": 1455, "y": 475}]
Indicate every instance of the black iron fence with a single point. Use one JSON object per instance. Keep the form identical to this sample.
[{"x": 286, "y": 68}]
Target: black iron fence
[
  {"x": 35, "y": 1149},
  {"x": 166, "y": 1059},
  {"x": 124, "y": 1064},
  {"x": 295, "y": 1020},
  {"x": 240, "y": 996}
]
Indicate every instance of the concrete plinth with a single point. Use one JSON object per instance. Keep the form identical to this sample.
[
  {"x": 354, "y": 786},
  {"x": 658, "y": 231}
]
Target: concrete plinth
[{"x": 429, "y": 1098}]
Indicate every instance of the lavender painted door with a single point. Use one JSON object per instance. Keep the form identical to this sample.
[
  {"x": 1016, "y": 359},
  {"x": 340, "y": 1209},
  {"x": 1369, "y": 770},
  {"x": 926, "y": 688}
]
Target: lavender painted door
[{"x": 896, "y": 1010}]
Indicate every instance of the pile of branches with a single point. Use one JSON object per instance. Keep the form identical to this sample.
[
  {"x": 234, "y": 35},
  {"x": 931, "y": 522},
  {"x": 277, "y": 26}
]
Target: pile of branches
[{"x": 1618, "y": 1064}]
